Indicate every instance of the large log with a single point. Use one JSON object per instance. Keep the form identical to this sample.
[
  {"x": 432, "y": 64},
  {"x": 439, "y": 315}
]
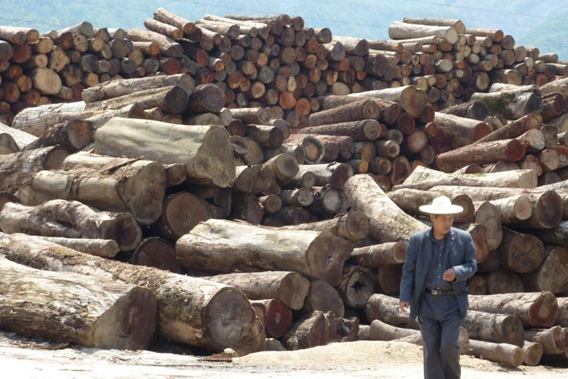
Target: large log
[
  {"x": 388, "y": 223},
  {"x": 503, "y": 281},
  {"x": 462, "y": 131},
  {"x": 353, "y": 226},
  {"x": 403, "y": 30},
  {"x": 356, "y": 287},
  {"x": 204, "y": 150},
  {"x": 423, "y": 178},
  {"x": 498, "y": 352},
  {"x": 221, "y": 246},
  {"x": 190, "y": 310},
  {"x": 360, "y": 131},
  {"x": 17, "y": 169},
  {"x": 553, "y": 340},
  {"x": 487, "y": 152},
  {"x": 116, "y": 88},
  {"x": 511, "y": 104},
  {"x": 356, "y": 111},
  {"x": 519, "y": 252},
  {"x": 411, "y": 99},
  {"x": 72, "y": 135},
  {"x": 376, "y": 256},
  {"x": 390, "y": 111},
  {"x": 386, "y": 309},
  {"x": 167, "y": 46},
  {"x": 80, "y": 309},
  {"x": 116, "y": 184},
  {"x": 513, "y": 129},
  {"x": 533, "y": 309},
  {"x": 495, "y": 328},
  {"x": 288, "y": 287},
  {"x": 323, "y": 297},
  {"x": 316, "y": 329},
  {"x": 410, "y": 200},
  {"x": 71, "y": 219},
  {"x": 97, "y": 247},
  {"x": 552, "y": 275},
  {"x": 158, "y": 253}
]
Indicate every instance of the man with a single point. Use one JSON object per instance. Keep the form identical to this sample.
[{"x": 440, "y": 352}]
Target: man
[{"x": 439, "y": 261}]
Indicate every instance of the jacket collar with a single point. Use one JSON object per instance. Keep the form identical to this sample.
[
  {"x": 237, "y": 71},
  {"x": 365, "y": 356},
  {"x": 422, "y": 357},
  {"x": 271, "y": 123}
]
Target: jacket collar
[{"x": 450, "y": 236}]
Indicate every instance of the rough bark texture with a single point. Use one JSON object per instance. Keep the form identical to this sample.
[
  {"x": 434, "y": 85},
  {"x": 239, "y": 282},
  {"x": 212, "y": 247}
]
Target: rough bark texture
[
  {"x": 375, "y": 256},
  {"x": 552, "y": 275},
  {"x": 497, "y": 352},
  {"x": 96, "y": 313},
  {"x": 192, "y": 311},
  {"x": 496, "y": 328},
  {"x": 353, "y": 226},
  {"x": 220, "y": 246}
]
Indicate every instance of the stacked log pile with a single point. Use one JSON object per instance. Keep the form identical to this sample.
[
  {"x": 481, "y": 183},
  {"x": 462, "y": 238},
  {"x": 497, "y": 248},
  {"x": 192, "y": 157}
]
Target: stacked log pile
[{"x": 271, "y": 178}]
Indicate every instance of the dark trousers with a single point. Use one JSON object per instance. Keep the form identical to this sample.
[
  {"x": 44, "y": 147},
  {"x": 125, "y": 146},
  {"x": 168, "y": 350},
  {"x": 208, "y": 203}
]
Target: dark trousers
[{"x": 440, "y": 320}]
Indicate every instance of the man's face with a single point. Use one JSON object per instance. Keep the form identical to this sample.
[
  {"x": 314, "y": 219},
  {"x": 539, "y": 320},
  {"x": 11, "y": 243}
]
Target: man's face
[{"x": 442, "y": 223}]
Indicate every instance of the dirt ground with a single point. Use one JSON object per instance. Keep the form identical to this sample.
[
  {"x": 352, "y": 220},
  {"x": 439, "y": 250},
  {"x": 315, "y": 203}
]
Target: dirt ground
[{"x": 361, "y": 359}]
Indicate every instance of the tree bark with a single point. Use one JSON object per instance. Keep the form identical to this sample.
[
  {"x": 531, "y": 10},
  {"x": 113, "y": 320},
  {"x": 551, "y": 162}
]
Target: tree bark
[
  {"x": 388, "y": 223},
  {"x": 116, "y": 184},
  {"x": 462, "y": 131},
  {"x": 376, "y": 256},
  {"x": 256, "y": 252},
  {"x": 18, "y": 169},
  {"x": 71, "y": 219},
  {"x": 513, "y": 129},
  {"x": 411, "y": 99},
  {"x": 356, "y": 111},
  {"x": 288, "y": 287},
  {"x": 105, "y": 248},
  {"x": 204, "y": 150},
  {"x": 360, "y": 131},
  {"x": 510, "y": 104},
  {"x": 96, "y": 313},
  {"x": 192, "y": 311},
  {"x": 497, "y": 352},
  {"x": 533, "y": 309},
  {"x": 385, "y": 309}
]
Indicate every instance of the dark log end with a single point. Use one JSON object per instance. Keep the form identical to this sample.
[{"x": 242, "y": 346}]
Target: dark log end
[
  {"x": 544, "y": 310},
  {"x": 340, "y": 175},
  {"x": 326, "y": 256},
  {"x": 549, "y": 209},
  {"x": 515, "y": 151},
  {"x": 278, "y": 319},
  {"x": 124, "y": 230},
  {"x": 158, "y": 253}
]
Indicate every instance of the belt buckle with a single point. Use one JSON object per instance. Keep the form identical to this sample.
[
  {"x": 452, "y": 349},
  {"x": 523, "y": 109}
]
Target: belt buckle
[{"x": 436, "y": 292}]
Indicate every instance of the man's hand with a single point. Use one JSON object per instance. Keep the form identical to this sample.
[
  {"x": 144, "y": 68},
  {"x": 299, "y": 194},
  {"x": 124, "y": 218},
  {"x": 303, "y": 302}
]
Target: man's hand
[
  {"x": 403, "y": 305},
  {"x": 449, "y": 275}
]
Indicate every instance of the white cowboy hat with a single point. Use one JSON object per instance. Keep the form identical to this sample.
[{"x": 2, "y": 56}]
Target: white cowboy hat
[{"x": 441, "y": 205}]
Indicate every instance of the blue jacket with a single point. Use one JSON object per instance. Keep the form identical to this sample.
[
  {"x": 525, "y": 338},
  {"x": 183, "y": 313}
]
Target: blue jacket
[{"x": 419, "y": 257}]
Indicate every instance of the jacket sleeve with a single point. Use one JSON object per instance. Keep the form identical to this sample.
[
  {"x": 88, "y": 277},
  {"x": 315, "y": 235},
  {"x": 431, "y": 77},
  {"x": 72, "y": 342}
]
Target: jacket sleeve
[
  {"x": 469, "y": 267},
  {"x": 408, "y": 270}
]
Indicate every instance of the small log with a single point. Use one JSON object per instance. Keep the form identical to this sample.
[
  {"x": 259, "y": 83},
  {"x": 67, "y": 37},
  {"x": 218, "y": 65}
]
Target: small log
[
  {"x": 385, "y": 309},
  {"x": 316, "y": 329},
  {"x": 521, "y": 253},
  {"x": 553, "y": 340},
  {"x": 411, "y": 99},
  {"x": 462, "y": 131},
  {"x": 352, "y": 226},
  {"x": 312, "y": 146},
  {"x": 170, "y": 18},
  {"x": 158, "y": 253},
  {"x": 514, "y": 209},
  {"x": 363, "y": 130},
  {"x": 334, "y": 174},
  {"x": 532, "y": 353},
  {"x": 551, "y": 275},
  {"x": 503, "y": 281},
  {"x": 181, "y": 212},
  {"x": 533, "y": 309},
  {"x": 513, "y": 129},
  {"x": 195, "y": 246},
  {"x": 167, "y": 46},
  {"x": 110, "y": 325},
  {"x": 73, "y": 136},
  {"x": 288, "y": 287},
  {"x": 402, "y": 30},
  {"x": 323, "y": 297},
  {"x": 476, "y": 110},
  {"x": 277, "y": 318},
  {"x": 511, "y": 105},
  {"x": 498, "y": 352},
  {"x": 487, "y": 152},
  {"x": 376, "y": 256},
  {"x": 105, "y": 248},
  {"x": 362, "y": 110}
]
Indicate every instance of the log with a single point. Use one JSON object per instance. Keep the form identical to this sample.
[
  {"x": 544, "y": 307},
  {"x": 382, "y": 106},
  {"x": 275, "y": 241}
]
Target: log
[
  {"x": 327, "y": 201},
  {"x": 353, "y": 226},
  {"x": 284, "y": 166},
  {"x": 359, "y": 131},
  {"x": 402, "y": 30},
  {"x": 192, "y": 311},
  {"x": 423, "y": 178},
  {"x": 551, "y": 275},
  {"x": 97, "y": 313},
  {"x": 136, "y": 186},
  {"x": 206, "y": 98},
  {"x": 412, "y": 100},
  {"x": 562, "y": 311},
  {"x": 46, "y": 81},
  {"x": 72, "y": 135},
  {"x": 487, "y": 152},
  {"x": 410, "y": 200},
  {"x": 503, "y": 281},
  {"x": 462, "y": 131},
  {"x": 247, "y": 208},
  {"x": 457, "y": 24},
  {"x": 116, "y": 88},
  {"x": 361, "y": 110},
  {"x": 277, "y": 318},
  {"x": 498, "y": 352},
  {"x": 253, "y": 179},
  {"x": 376, "y": 256},
  {"x": 553, "y": 340},
  {"x": 158, "y": 253},
  {"x": 266, "y": 135},
  {"x": 476, "y": 110},
  {"x": 71, "y": 219},
  {"x": 257, "y": 252},
  {"x": 316, "y": 329},
  {"x": 356, "y": 287},
  {"x": 532, "y": 353},
  {"x": 167, "y": 46},
  {"x": 300, "y": 197},
  {"x": 385, "y": 309},
  {"x": 514, "y": 209},
  {"x": 312, "y": 146},
  {"x": 334, "y": 174},
  {"x": 181, "y": 212},
  {"x": 533, "y": 309},
  {"x": 105, "y": 248},
  {"x": 519, "y": 252},
  {"x": 513, "y": 129},
  {"x": 18, "y": 36},
  {"x": 170, "y": 18},
  {"x": 388, "y": 223},
  {"x": 17, "y": 169},
  {"x": 290, "y": 288},
  {"x": 323, "y": 297},
  {"x": 164, "y": 29},
  {"x": 509, "y": 104},
  {"x": 390, "y": 111},
  {"x": 204, "y": 150},
  {"x": 496, "y": 328}
]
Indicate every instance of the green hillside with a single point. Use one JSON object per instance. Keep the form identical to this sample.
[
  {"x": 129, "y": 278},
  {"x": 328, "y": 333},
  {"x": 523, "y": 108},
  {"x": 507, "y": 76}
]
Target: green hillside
[{"x": 532, "y": 23}]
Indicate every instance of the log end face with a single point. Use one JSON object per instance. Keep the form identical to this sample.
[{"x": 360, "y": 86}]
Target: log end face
[
  {"x": 130, "y": 324},
  {"x": 214, "y": 163},
  {"x": 293, "y": 291},
  {"x": 357, "y": 225},
  {"x": 515, "y": 151},
  {"x": 326, "y": 256},
  {"x": 549, "y": 209},
  {"x": 124, "y": 230},
  {"x": 544, "y": 310}
]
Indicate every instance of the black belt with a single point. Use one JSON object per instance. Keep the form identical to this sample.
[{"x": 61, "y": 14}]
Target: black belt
[{"x": 445, "y": 292}]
